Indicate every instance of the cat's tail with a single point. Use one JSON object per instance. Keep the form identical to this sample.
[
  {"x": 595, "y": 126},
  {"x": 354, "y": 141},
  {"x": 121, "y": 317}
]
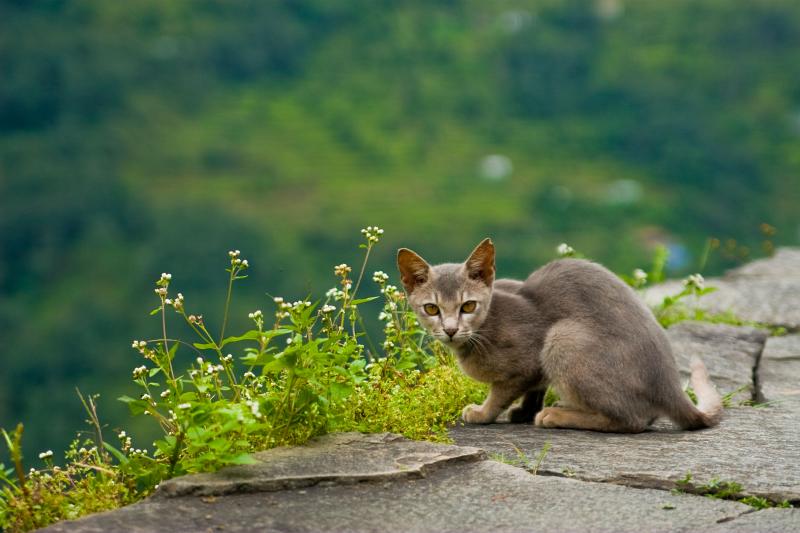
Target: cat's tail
[{"x": 708, "y": 411}]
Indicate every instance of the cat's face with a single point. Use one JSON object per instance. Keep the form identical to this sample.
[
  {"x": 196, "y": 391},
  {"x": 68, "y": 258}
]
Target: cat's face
[{"x": 451, "y": 300}]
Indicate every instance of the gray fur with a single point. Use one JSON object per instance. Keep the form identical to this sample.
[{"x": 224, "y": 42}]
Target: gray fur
[{"x": 573, "y": 325}]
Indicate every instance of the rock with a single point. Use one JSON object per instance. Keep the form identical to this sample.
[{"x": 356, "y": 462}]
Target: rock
[
  {"x": 339, "y": 458},
  {"x": 729, "y": 352},
  {"x": 766, "y": 521},
  {"x": 758, "y": 448},
  {"x": 764, "y": 291},
  {"x": 778, "y": 373},
  {"x": 478, "y": 496}
]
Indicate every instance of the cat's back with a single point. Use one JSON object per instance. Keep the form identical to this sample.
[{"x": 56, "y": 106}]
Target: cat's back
[{"x": 570, "y": 288}]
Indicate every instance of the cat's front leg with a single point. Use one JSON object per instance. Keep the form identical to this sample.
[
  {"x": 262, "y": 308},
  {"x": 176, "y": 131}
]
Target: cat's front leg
[{"x": 501, "y": 394}]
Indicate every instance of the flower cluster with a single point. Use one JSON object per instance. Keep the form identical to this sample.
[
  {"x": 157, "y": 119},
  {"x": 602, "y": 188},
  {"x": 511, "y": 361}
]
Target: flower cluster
[
  {"x": 695, "y": 282},
  {"x": 46, "y": 455},
  {"x": 565, "y": 250},
  {"x": 328, "y": 308},
  {"x": 139, "y": 372},
  {"x": 335, "y": 294},
  {"x": 380, "y": 277},
  {"x": 236, "y": 261},
  {"x": 372, "y": 233},
  {"x": 342, "y": 270}
]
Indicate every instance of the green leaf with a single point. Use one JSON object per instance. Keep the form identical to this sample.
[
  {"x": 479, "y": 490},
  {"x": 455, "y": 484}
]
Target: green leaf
[
  {"x": 155, "y": 311},
  {"x": 363, "y": 300},
  {"x": 116, "y": 453},
  {"x": 205, "y": 346},
  {"x": 154, "y": 371},
  {"x": 242, "y": 459}
]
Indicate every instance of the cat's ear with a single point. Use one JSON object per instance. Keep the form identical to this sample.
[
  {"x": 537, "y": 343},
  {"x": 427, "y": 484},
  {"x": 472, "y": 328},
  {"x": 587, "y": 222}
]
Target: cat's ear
[
  {"x": 414, "y": 270},
  {"x": 480, "y": 263}
]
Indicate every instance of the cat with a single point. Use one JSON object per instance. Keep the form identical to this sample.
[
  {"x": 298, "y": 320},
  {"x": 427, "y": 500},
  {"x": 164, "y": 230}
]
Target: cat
[{"x": 572, "y": 325}]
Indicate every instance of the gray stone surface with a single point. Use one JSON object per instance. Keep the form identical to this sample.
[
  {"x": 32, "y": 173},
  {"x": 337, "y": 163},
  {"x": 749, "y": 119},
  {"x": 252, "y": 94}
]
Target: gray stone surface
[
  {"x": 482, "y": 496},
  {"x": 765, "y": 291},
  {"x": 729, "y": 352},
  {"x": 766, "y": 521},
  {"x": 779, "y": 371},
  {"x": 759, "y": 448},
  {"x": 338, "y": 458}
]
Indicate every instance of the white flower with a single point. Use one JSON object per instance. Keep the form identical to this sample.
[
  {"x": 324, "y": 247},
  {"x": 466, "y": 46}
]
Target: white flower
[
  {"x": 139, "y": 371},
  {"x": 146, "y": 397},
  {"x": 328, "y": 308},
  {"x": 639, "y": 275},
  {"x": 384, "y": 316},
  {"x": 372, "y": 233},
  {"x": 228, "y": 358},
  {"x": 388, "y": 345},
  {"x": 234, "y": 254},
  {"x": 565, "y": 249},
  {"x": 334, "y": 294},
  {"x": 249, "y": 375},
  {"x": 255, "y": 314},
  {"x": 165, "y": 394},
  {"x": 161, "y": 291},
  {"x": 184, "y": 406},
  {"x": 46, "y": 455},
  {"x": 380, "y": 277},
  {"x": 122, "y": 434},
  {"x": 695, "y": 281},
  {"x": 342, "y": 270},
  {"x": 278, "y": 300},
  {"x": 254, "y": 408}
]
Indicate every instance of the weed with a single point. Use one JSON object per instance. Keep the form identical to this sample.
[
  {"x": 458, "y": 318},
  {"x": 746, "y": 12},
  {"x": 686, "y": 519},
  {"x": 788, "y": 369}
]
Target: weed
[{"x": 306, "y": 374}]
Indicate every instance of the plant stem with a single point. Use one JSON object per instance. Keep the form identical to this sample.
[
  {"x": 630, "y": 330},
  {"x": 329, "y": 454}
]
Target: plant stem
[{"x": 227, "y": 304}]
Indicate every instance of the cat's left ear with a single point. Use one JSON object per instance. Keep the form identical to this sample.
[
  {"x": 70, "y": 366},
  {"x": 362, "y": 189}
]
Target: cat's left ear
[{"x": 480, "y": 263}]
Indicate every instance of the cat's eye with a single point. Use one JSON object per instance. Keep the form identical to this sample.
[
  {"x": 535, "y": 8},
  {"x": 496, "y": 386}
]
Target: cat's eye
[
  {"x": 468, "y": 307},
  {"x": 431, "y": 309}
]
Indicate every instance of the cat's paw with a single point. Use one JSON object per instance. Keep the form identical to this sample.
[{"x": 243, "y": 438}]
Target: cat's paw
[
  {"x": 473, "y": 414},
  {"x": 545, "y": 418}
]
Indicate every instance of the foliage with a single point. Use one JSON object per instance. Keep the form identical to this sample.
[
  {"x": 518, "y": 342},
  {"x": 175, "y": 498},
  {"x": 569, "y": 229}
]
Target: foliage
[
  {"x": 726, "y": 490},
  {"x": 305, "y": 374}
]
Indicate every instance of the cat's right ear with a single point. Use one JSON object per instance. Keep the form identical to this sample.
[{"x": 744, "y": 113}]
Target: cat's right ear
[{"x": 414, "y": 270}]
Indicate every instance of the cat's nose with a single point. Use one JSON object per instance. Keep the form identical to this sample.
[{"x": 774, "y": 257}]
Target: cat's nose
[{"x": 450, "y": 332}]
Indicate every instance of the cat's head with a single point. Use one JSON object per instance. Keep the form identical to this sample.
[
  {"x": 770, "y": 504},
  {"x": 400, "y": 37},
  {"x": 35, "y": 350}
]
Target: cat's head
[{"x": 451, "y": 299}]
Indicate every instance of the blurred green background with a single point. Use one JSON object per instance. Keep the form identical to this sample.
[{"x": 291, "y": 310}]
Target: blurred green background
[{"x": 151, "y": 136}]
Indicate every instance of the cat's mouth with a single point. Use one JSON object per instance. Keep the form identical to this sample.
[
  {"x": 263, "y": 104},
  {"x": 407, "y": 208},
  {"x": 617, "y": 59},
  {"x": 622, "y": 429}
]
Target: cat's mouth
[{"x": 458, "y": 340}]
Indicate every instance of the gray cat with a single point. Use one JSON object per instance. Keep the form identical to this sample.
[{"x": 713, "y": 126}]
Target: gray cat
[{"x": 573, "y": 325}]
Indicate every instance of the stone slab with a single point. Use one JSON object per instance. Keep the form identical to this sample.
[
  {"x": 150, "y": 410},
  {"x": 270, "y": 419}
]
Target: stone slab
[
  {"x": 765, "y": 291},
  {"x": 766, "y": 521},
  {"x": 759, "y": 448},
  {"x": 729, "y": 352},
  {"x": 338, "y": 458},
  {"x": 779, "y": 371},
  {"x": 481, "y": 496}
]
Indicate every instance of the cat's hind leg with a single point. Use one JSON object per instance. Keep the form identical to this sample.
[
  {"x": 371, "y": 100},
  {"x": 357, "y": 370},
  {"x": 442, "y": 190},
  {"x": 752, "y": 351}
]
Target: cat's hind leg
[{"x": 560, "y": 417}]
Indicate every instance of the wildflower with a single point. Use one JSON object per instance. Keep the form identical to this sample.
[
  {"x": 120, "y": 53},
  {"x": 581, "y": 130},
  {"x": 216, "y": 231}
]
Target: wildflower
[
  {"x": 289, "y": 340},
  {"x": 199, "y": 361},
  {"x": 165, "y": 394},
  {"x": 334, "y": 294},
  {"x": 255, "y": 314},
  {"x": 380, "y": 277},
  {"x": 695, "y": 281},
  {"x": 384, "y": 316},
  {"x": 565, "y": 250},
  {"x": 372, "y": 233},
  {"x": 388, "y": 345},
  {"x": 389, "y": 290},
  {"x": 639, "y": 275},
  {"x": 245, "y": 264},
  {"x": 228, "y": 358},
  {"x": 122, "y": 435},
  {"x": 278, "y": 300},
  {"x": 146, "y": 397},
  {"x": 184, "y": 405},
  {"x": 46, "y": 455},
  {"x": 234, "y": 254},
  {"x": 342, "y": 270},
  {"x": 249, "y": 375},
  {"x": 177, "y": 303},
  {"x": 138, "y": 345},
  {"x": 254, "y": 408},
  {"x": 139, "y": 372},
  {"x": 161, "y": 291},
  {"x": 328, "y": 308}
]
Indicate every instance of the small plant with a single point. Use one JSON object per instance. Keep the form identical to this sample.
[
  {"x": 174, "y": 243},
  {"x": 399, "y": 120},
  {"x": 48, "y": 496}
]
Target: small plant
[
  {"x": 219, "y": 397},
  {"x": 725, "y": 490}
]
